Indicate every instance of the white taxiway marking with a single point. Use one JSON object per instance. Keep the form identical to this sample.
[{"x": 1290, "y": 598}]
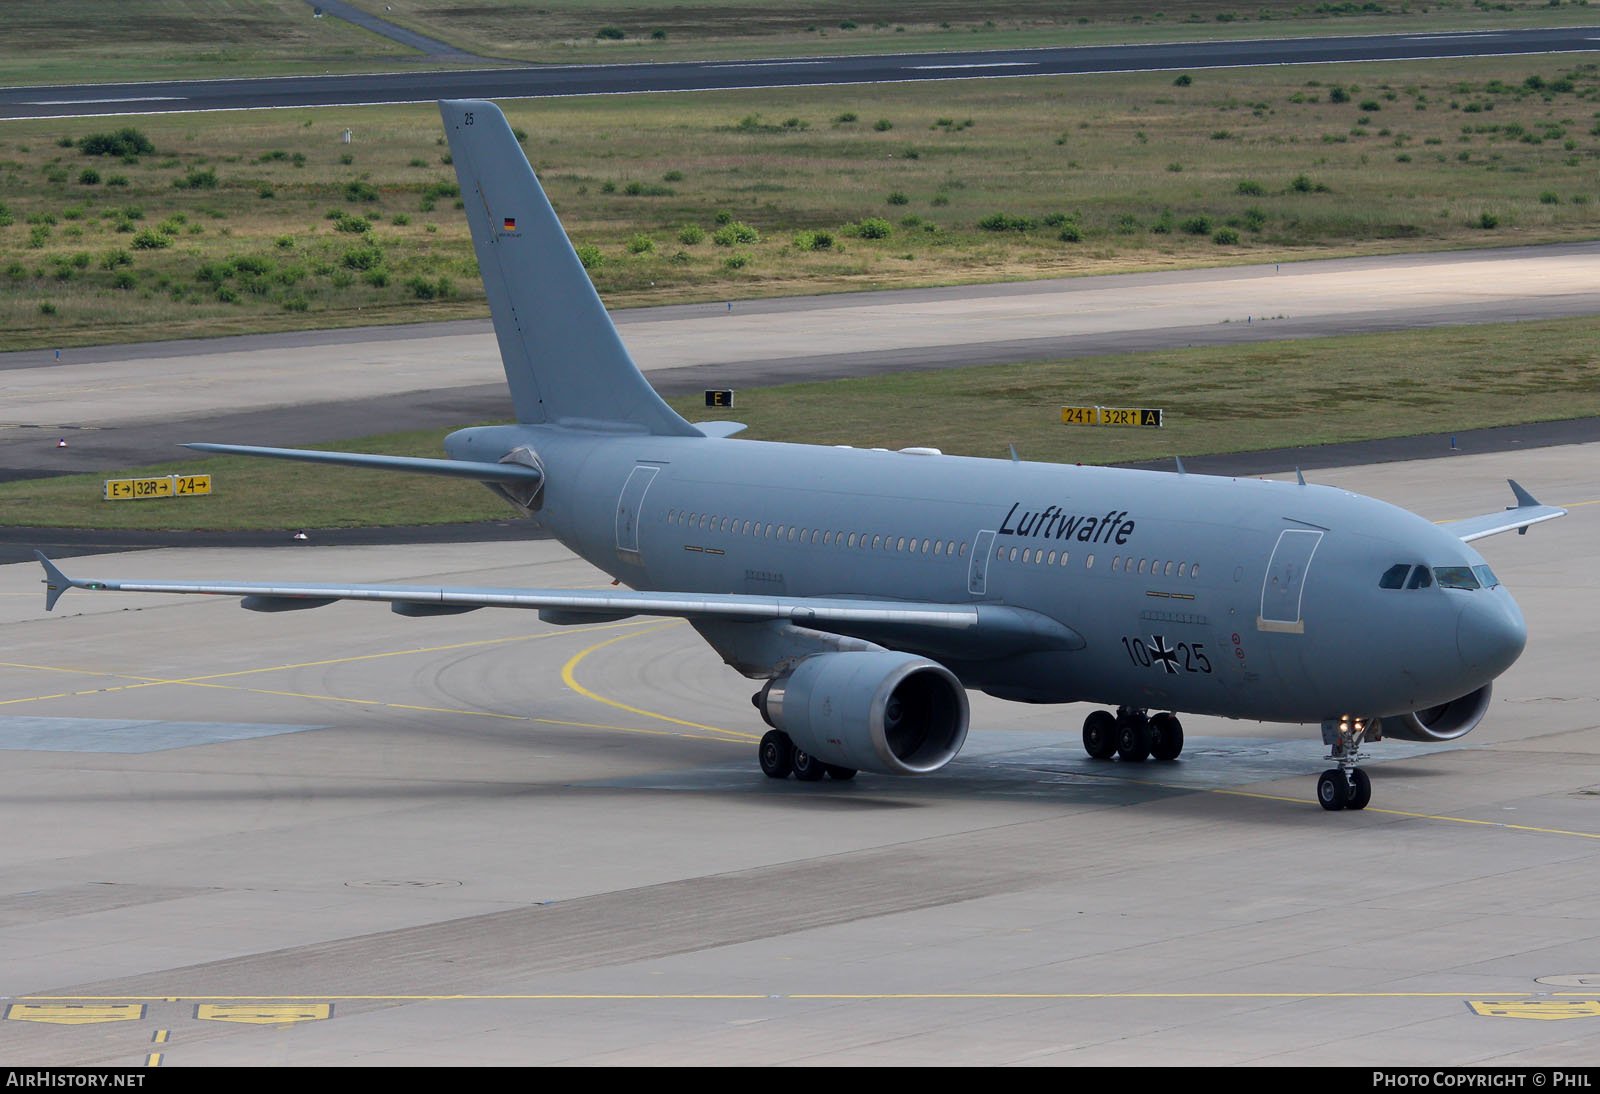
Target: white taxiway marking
[
  {"x": 769, "y": 64},
  {"x": 988, "y": 64},
  {"x": 1451, "y": 37},
  {"x": 79, "y": 102}
]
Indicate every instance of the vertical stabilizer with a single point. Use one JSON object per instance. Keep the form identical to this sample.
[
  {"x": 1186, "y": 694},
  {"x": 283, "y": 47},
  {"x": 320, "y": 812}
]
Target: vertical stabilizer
[{"x": 563, "y": 359}]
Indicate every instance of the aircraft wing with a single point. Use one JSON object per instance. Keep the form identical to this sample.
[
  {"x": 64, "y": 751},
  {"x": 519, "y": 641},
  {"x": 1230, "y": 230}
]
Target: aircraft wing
[
  {"x": 1518, "y": 518},
  {"x": 986, "y": 630}
]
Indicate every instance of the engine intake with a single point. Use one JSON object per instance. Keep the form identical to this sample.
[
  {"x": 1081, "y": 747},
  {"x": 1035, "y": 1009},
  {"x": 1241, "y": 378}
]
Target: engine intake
[
  {"x": 886, "y": 712},
  {"x": 1444, "y": 722}
]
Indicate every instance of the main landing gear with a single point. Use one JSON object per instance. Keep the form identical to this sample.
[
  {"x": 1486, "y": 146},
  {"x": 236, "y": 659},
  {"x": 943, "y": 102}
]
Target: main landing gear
[
  {"x": 1133, "y": 735},
  {"x": 780, "y": 759},
  {"x": 1345, "y": 786}
]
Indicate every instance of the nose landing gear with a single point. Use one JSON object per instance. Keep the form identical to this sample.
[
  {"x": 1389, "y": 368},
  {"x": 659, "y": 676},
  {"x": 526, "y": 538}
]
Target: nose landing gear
[{"x": 1345, "y": 786}]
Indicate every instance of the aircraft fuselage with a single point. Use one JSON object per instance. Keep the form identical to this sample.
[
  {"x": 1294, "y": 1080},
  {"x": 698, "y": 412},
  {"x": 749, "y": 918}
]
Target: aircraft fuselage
[{"x": 1242, "y": 598}]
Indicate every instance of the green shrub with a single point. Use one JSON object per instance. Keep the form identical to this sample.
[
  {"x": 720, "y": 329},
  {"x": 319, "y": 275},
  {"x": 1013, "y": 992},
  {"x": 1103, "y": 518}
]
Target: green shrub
[
  {"x": 874, "y": 228},
  {"x": 1127, "y": 224},
  {"x": 846, "y": 118},
  {"x": 112, "y": 260},
  {"x": 818, "y": 240},
  {"x": 124, "y": 280},
  {"x": 1197, "y": 225},
  {"x": 377, "y": 278},
  {"x": 356, "y": 190},
  {"x": 88, "y": 177},
  {"x": 1250, "y": 187},
  {"x": 641, "y": 244},
  {"x": 883, "y": 125},
  {"x": 1488, "y": 220},
  {"x": 611, "y": 34},
  {"x": 590, "y": 256},
  {"x": 735, "y": 232},
  {"x": 1549, "y": 197},
  {"x": 124, "y": 142},
  {"x": 1071, "y": 233},
  {"x": 691, "y": 234},
  {"x": 424, "y": 289},
  {"x": 1004, "y": 222},
  {"x": 898, "y": 198},
  {"x": 361, "y": 258},
  {"x": 1183, "y": 81},
  {"x": 202, "y": 179},
  {"x": 355, "y": 225},
  {"x": 38, "y": 235},
  {"x": 736, "y": 261},
  {"x": 1337, "y": 94},
  {"x": 46, "y": 308},
  {"x": 1225, "y": 237}
]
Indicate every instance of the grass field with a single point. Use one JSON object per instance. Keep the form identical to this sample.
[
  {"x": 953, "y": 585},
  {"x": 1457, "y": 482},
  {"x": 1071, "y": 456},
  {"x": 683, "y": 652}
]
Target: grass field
[
  {"x": 1225, "y": 399},
  {"x": 267, "y": 221},
  {"x": 97, "y": 41},
  {"x": 94, "y": 41},
  {"x": 637, "y": 30}
]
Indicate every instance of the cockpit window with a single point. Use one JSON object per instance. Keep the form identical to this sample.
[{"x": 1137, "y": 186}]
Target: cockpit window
[
  {"x": 1394, "y": 577},
  {"x": 1455, "y": 577},
  {"x": 1420, "y": 578},
  {"x": 1486, "y": 576}
]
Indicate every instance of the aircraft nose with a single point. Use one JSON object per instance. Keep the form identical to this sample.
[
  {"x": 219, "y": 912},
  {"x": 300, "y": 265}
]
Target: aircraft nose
[{"x": 1490, "y": 633}]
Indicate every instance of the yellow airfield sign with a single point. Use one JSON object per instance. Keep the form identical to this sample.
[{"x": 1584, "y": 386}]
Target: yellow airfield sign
[
  {"x": 165, "y": 486},
  {"x": 1147, "y": 417}
]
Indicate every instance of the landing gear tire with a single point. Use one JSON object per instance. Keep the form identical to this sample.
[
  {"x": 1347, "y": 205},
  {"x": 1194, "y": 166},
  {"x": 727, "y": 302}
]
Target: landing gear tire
[
  {"x": 1100, "y": 735},
  {"x": 807, "y": 768},
  {"x": 1133, "y": 740},
  {"x": 1360, "y": 790},
  {"x": 1333, "y": 790},
  {"x": 841, "y": 774},
  {"x": 776, "y": 754},
  {"x": 1166, "y": 737}
]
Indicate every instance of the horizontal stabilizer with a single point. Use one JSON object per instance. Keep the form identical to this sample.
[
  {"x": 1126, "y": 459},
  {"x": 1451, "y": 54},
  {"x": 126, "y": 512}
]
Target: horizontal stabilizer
[
  {"x": 1515, "y": 518},
  {"x": 419, "y": 465}
]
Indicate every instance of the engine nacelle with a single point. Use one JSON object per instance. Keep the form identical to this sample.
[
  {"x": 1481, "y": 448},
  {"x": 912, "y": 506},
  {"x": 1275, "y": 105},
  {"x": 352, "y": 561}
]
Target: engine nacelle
[
  {"x": 886, "y": 712},
  {"x": 1444, "y": 722}
]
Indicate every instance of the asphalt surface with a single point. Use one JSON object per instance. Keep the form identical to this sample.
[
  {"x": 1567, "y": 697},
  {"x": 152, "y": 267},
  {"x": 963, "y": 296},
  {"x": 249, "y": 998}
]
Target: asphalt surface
[
  {"x": 342, "y": 837},
  {"x": 545, "y": 81}
]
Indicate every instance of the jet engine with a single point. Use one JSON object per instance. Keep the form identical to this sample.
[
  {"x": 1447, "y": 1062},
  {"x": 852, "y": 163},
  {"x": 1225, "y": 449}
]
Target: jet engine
[
  {"x": 1444, "y": 722},
  {"x": 881, "y": 711}
]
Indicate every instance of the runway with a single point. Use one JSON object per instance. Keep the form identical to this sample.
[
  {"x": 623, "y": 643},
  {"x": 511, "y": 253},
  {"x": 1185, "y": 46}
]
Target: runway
[
  {"x": 129, "y": 406},
  {"x": 347, "y": 838},
  {"x": 541, "y": 81}
]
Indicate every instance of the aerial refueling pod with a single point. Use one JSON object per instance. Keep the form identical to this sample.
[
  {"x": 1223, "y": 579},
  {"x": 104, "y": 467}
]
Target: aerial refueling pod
[
  {"x": 1444, "y": 722},
  {"x": 886, "y": 712}
]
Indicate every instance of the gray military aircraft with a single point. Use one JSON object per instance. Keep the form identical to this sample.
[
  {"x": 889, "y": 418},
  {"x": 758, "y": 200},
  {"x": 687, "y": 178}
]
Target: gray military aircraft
[{"x": 870, "y": 589}]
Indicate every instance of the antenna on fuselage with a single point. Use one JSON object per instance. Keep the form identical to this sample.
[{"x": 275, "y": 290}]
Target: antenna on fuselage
[
  {"x": 1301, "y": 479},
  {"x": 1179, "y": 461},
  {"x": 1014, "y": 457}
]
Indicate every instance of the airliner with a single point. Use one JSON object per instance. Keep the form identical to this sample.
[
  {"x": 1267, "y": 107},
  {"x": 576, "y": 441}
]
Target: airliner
[{"x": 869, "y": 590}]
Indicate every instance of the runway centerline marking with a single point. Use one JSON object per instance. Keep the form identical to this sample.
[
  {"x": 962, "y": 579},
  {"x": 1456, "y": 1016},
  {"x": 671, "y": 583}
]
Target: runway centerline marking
[{"x": 569, "y": 677}]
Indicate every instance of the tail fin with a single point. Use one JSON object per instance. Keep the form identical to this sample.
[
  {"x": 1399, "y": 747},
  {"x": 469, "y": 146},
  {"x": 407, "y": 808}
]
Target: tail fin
[{"x": 563, "y": 359}]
